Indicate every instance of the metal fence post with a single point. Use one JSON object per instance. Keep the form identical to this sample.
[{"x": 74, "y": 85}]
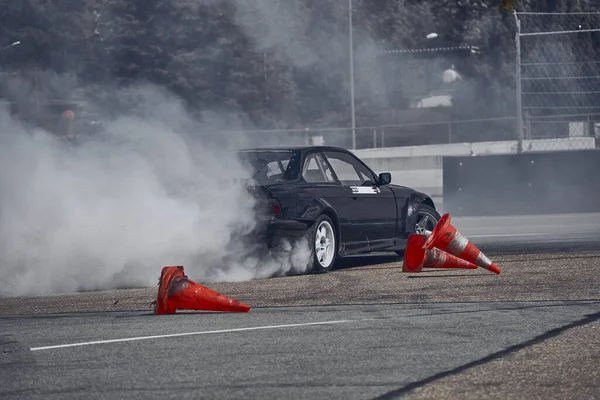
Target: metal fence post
[
  {"x": 518, "y": 86},
  {"x": 527, "y": 125},
  {"x": 351, "y": 50},
  {"x": 374, "y": 138}
]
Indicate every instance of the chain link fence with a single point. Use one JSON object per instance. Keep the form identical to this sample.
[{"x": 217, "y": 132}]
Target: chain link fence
[
  {"x": 410, "y": 134},
  {"x": 558, "y": 80}
]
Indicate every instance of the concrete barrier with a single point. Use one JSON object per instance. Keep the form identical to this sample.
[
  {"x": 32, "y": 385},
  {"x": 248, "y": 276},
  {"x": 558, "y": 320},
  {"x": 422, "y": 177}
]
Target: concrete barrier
[
  {"x": 421, "y": 173},
  {"x": 517, "y": 184},
  {"x": 421, "y": 167},
  {"x": 480, "y": 148}
]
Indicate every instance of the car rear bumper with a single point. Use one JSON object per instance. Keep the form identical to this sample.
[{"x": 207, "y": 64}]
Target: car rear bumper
[{"x": 274, "y": 230}]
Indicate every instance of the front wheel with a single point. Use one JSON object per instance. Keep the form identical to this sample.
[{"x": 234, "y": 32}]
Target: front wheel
[
  {"x": 427, "y": 219},
  {"x": 323, "y": 245}
]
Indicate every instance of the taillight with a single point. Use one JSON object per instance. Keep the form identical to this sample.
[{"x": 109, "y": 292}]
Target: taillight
[{"x": 275, "y": 207}]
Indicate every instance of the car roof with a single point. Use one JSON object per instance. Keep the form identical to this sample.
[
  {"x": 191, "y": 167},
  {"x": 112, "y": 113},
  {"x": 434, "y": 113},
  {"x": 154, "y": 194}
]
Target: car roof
[{"x": 302, "y": 148}]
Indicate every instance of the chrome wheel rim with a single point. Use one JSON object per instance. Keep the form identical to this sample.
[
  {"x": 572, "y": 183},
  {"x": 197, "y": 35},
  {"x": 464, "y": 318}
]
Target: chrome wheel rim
[
  {"x": 426, "y": 222},
  {"x": 324, "y": 244}
]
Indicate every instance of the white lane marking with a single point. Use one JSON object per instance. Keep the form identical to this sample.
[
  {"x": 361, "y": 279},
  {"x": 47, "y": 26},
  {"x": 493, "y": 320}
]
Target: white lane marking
[
  {"x": 62, "y": 346},
  {"x": 500, "y": 235}
]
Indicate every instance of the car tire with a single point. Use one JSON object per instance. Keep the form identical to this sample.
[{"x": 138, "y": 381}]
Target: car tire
[
  {"x": 432, "y": 216},
  {"x": 322, "y": 239}
]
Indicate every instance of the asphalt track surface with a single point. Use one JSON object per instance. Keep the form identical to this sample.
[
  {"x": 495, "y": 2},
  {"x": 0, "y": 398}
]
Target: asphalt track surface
[{"x": 364, "y": 331}]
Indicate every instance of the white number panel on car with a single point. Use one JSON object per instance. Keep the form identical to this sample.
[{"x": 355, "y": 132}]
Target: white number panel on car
[{"x": 365, "y": 190}]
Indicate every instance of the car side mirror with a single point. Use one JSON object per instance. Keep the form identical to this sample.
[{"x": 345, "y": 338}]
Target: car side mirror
[{"x": 385, "y": 178}]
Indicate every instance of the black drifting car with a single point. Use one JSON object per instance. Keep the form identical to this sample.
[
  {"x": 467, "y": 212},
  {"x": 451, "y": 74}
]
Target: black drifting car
[{"x": 333, "y": 198}]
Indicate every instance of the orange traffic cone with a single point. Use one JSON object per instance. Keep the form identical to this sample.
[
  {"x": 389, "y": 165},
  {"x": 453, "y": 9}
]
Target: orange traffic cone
[
  {"x": 447, "y": 238},
  {"x": 416, "y": 257},
  {"x": 177, "y": 292}
]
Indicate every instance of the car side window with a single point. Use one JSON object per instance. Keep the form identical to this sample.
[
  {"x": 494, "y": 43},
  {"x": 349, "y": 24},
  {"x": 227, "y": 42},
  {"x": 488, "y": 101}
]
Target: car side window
[
  {"x": 327, "y": 170},
  {"x": 348, "y": 170},
  {"x": 315, "y": 170},
  {"x": 270, "y": 170},
  {"x": 273, "y": 168}
]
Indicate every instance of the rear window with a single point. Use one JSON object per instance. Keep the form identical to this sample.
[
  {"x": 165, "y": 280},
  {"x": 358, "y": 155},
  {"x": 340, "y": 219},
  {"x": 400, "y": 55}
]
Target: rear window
[{"x": 268, "y": 166}]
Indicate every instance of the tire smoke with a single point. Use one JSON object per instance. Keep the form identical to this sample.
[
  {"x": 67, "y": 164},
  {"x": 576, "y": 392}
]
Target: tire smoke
[{"x": 109, "y": 211}]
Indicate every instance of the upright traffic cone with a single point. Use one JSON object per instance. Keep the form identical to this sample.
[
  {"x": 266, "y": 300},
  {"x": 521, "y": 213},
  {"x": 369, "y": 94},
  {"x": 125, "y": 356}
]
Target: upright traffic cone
[
  {"x": 177, "y": 292},
  {"x": 416, "y": 257},
  {"x": 447, "y": 238}
]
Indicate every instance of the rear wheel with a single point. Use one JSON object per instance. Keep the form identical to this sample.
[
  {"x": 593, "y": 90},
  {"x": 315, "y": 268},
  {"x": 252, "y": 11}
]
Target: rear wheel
[{"x": 323, "y": 245}]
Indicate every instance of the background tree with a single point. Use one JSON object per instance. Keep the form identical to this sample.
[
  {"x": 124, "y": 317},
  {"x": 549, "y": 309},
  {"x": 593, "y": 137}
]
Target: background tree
[{"x": 275, "y": 63}]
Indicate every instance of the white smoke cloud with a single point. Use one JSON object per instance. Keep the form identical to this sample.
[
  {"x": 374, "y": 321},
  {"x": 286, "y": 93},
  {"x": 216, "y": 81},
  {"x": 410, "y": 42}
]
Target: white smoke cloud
[
  {"x": 109, "y": 212},
  {"x": 315, "y": 43},
  {"x": 155, "y": 187},
  {"x": 281, "y": 27}
]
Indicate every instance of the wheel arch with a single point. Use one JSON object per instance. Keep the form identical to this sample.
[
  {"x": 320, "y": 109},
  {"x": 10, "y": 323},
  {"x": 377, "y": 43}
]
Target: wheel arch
[
  {"x": 414, "y": 201},
  {"x": 428, "y": 201},
  {"x": 336, "y": 226},
  {"x": 318, "y": 207}
]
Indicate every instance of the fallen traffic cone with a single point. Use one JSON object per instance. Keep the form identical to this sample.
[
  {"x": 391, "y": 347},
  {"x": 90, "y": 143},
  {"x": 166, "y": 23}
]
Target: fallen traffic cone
[
  {"x": 447, "y": 238},
  {"x": 177, "y": 292},
  {"x": 416, "y": 257}
]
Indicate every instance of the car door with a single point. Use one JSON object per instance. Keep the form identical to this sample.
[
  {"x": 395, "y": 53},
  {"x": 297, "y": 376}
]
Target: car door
[
  {"x": 373, "y": 208},
  {"x": 321, "y": 183}
]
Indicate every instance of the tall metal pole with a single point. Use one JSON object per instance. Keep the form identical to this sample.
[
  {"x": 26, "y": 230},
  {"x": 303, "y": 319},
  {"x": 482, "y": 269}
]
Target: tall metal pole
[
  {"x": 351, "y": 44},
  {"x": 518, "y": 81}
]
